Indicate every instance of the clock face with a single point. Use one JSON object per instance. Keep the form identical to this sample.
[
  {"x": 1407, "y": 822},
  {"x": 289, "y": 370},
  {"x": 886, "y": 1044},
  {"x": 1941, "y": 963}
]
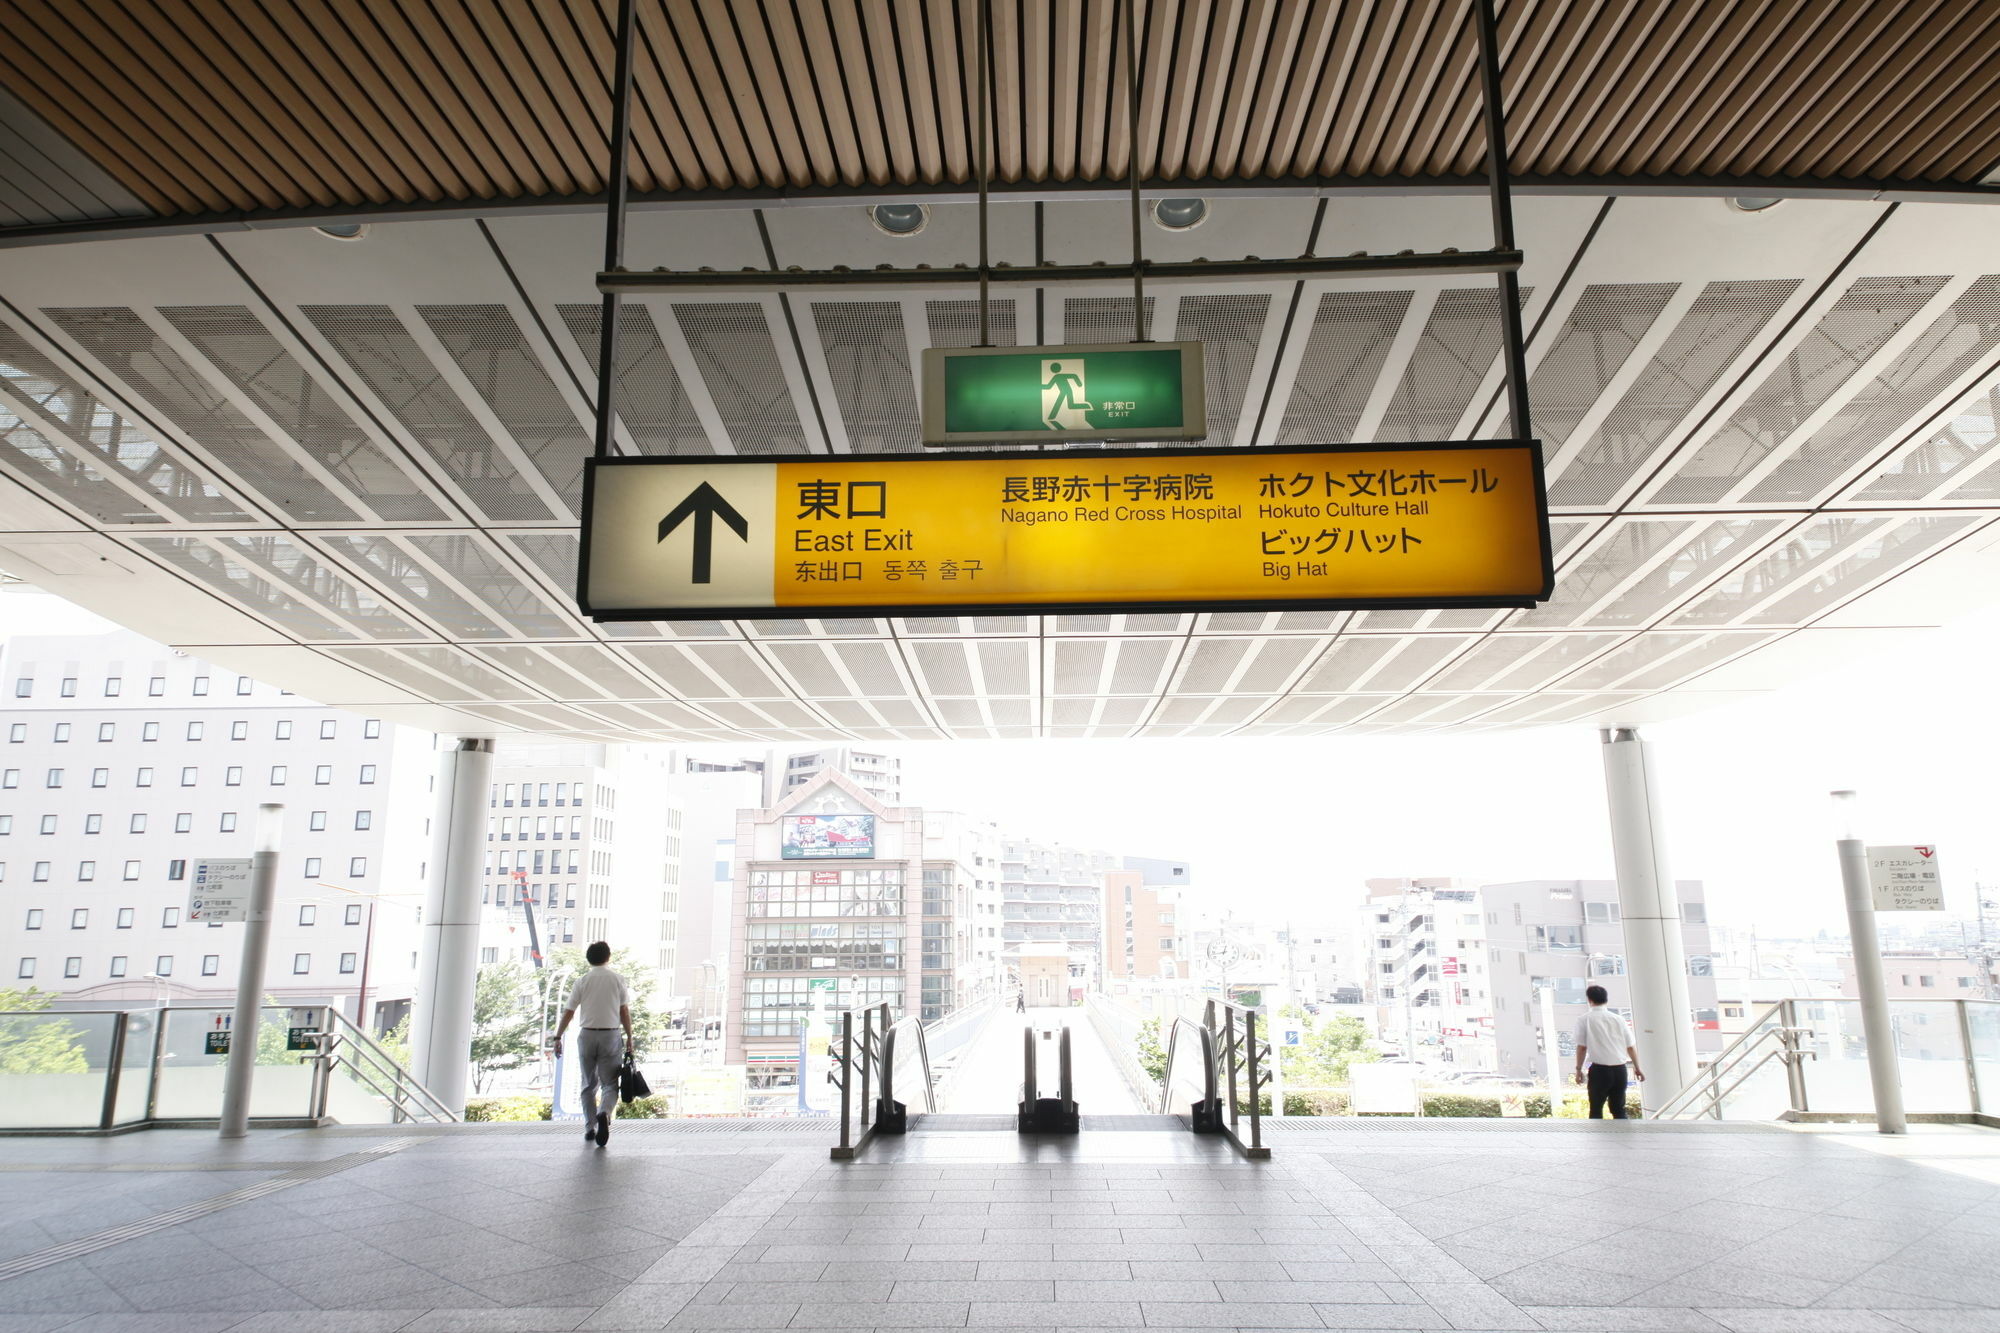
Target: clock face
[{"x": 1222, "y": 951}]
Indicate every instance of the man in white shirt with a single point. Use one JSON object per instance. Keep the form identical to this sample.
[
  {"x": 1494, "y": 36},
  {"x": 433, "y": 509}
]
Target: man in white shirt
[
  {"x": 601, "y": 1003},
  {"x": 1605, "y": 1041}
]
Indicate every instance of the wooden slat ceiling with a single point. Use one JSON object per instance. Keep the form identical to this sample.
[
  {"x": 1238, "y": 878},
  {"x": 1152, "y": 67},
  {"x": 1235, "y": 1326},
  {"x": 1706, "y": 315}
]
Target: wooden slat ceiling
[{"x": 207, "y": 107}]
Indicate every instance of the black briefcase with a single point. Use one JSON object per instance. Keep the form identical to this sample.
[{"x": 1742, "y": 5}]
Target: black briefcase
[{"x": 632, "y": 1084}]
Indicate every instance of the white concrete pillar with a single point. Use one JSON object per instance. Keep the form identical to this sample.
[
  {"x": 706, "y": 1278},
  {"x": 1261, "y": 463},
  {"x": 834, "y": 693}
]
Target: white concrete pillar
[
  {"x": 1655, "y": 962},
  {"x": 441, "y": 1019}
]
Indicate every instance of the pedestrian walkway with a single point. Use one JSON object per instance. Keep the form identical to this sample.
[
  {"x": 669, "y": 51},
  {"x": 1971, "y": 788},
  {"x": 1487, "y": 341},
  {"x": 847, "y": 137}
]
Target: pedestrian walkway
[
  {"x": 1428, "y": 1225},
  {"x": 988, "y": 1078}
]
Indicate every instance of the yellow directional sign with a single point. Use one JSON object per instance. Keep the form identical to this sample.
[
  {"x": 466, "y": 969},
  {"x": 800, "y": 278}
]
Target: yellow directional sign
[{"x": 1461, "y": 524}]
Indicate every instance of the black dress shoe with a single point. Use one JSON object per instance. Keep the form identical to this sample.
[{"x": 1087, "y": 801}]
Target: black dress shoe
[{"x": 603, "y": 1130}]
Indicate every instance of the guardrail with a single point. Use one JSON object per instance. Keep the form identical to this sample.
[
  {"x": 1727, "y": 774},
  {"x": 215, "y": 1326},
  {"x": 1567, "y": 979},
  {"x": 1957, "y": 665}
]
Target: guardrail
[
  {"x": 878, "y": 1051},
  {"x": 1226, "y": 1063},
  {"x": 111, "y": 1070}
]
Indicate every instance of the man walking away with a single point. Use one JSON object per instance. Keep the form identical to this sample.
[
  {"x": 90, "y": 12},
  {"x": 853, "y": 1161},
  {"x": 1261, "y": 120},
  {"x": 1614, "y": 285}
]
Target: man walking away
[
  {"x": 1605, "y": 1041},
  {"x": 601, "y": 1003}
]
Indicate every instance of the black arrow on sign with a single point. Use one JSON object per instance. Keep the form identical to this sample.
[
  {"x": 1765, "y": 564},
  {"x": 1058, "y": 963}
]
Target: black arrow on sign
[{"x": 704, "y": 505}]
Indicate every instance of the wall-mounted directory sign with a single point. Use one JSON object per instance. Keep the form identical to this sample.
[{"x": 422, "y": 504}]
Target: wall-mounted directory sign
[
  {"x": 1106, "y": 530},
  {"x": 1053, "y": 395}
]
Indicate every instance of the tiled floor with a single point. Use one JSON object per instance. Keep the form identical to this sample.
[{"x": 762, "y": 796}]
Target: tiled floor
[{"x": 1433, "y": 1225}]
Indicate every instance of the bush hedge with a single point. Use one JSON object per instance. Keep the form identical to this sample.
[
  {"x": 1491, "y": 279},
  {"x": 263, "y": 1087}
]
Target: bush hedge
[{"x": 508, "y": 1108}]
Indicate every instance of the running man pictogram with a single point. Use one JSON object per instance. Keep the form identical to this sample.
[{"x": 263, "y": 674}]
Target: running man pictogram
[{"x": 1063, "y": 404}]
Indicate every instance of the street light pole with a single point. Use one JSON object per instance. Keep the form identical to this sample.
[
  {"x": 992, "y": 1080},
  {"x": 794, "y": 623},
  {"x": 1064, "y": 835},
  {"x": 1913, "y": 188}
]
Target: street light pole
[{"x": 1880, "y": 1034}]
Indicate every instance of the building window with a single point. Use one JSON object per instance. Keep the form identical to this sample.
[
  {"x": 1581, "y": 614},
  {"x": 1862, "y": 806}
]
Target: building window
[
  {"x": 163, "y": 966},
  {"x": 367, "y": 773},
  {"x": 363, "y": 819},
  {"x": 1695, "y": 914},
  {"x": 138, "y": 824},
  {"x": 149, "y": 731},
  {"x": 91, "y": 824},
  {"x": 239, "y": 731},
  {"x": 156, "y": 686},
  {"x": 69, "y": 687},
  {"x": 144, "y": 779},
  {"x": 72, "y": 967},
  {"x": 194, "y": 731},
  {"x": 347, "y": 962},
  {"x": 312, "y": 867},
  {"x": 357, "y": 867},
  {"x": 211, "y": 963},
  {"x": 62, "y": 733},
  {"x": 26, "y": 969},
  {"x": 48, "y": 823},
  {"x": 118, "y": 965},
  {"x": 353, "y": 914},
  {"x": 232, "y": 777},
  {"x": 308, "y": 914},
  {"x": 170, "y": 917},
  {"x": 34, "y": 918},
  {"x": 277, "y": 775},
  {"x": 322, "y": 775},
  {"x": 112, "y": 685},
  {"x": 131, "y": 870},
  {"x": 17, "y": 733},
  {"x": 41, "y": 872},
  {"x": 327, "y": 729},
  {"x": 227, "y": 824},
  {"x": 201, "y": 684},
  {"x": 6, "y": 825},
  {"x": 184, "y": 822},
  {"x": 79, "y": 918},
  {"x": 243, "y": 684},
  {"x": 100, "y": 777},
  {"x": 177, "y": 869},
  {"x": 85, "y": 870},
  {"x": 301, "y": 964},
  {"x": 10, "y": 778},
  {"x": 317, "y": 823},
  {"x": 24, "y": 687},
  {"x": 55, "y": 777},
  {"x": 107, "y": 731},
  {"x": 124, "y": 918},
  {"x": 371, "y": 729},
  {"x": 283, "y": 731},
  {"x": 188, "y": 776}
]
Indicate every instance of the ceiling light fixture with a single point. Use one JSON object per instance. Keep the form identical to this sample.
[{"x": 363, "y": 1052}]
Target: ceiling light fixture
[
  {"x": 1753, "y": 203},
  {"x": 899, "y": 219},
  {"x": 1180, "y": 214},
  {"x": 344, "y": 231}
]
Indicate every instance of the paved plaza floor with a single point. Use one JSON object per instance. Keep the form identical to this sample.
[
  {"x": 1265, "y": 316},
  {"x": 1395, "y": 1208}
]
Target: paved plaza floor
[{"x": 1464, "y": 1225}]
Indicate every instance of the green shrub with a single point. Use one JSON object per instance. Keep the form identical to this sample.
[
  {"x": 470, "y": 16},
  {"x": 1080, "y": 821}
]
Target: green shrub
[
  {"x": 507, "y": 1108},
  {"x": 644, "y": 1108}
]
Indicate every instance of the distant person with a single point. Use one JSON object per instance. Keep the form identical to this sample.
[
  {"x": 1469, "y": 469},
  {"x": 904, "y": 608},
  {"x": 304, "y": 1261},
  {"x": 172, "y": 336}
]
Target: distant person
[
  {"x": 601, "y": 1003},
  {"x": 1020, "y": 1002},
  {"x": 1604, "y": 1041}
]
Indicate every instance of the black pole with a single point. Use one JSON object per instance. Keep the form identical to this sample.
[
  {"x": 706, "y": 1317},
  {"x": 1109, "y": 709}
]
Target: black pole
[
  {"x": 984, "y": 81},
  {"x": 617, "y": 186},
  {"x": 1499, "y": 192},
  {"x": 1132, "y": 168}
]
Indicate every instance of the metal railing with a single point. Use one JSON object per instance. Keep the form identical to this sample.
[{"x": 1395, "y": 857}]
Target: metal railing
[
  {"x": 1226, "y": 1063},
  {"x": 874, "y": 1050},
  {"x": 1807, "y": 1059},
  {"x": 99, "y": 1070}
]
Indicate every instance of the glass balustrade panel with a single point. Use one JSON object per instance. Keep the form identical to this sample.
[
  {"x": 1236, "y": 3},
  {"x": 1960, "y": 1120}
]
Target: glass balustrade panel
[{"x": 52, "y": 1068}]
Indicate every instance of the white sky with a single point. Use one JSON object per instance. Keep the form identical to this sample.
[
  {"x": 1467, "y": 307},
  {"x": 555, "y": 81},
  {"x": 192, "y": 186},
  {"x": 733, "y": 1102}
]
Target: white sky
[{"x": 1287, "y": 829}]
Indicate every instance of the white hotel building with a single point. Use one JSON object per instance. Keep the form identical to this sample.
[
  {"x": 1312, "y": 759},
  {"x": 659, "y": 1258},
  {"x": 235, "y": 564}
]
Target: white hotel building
[{"x": 121, "y": 762}]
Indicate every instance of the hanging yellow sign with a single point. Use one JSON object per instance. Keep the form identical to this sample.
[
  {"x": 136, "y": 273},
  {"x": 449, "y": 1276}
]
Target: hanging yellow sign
[{"x": 1099, "y": 530}]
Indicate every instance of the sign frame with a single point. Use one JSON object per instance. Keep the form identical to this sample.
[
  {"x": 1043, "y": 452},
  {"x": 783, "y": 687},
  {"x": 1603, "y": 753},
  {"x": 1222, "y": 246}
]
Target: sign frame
[
  {"x": 935, "y": 360},
  {"x": 858, "y": 611}
]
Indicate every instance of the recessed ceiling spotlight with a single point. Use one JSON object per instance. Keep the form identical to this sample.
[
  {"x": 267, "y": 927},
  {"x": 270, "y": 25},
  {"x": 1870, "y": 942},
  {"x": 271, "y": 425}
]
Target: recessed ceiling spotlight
[
  {"x": 1753, "y": 203},
  {"x": 899, "y": 219},
  {"x": 344, "y": 231},
  {"x": 1180, "y": 214}
]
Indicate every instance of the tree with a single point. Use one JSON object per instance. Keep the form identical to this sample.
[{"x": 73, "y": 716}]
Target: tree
[
  {"x": 649, "y": 1021},
  {"x": 37, "y": 1045},
  {"x": 1328, "y": 1048},
  {"x": 1152, "y": 1055},
  {"x": 503, "y": 1021}
]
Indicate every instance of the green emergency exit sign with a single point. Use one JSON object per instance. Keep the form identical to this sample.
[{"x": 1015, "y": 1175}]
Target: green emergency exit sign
[{"x": 1055, "y": 395}]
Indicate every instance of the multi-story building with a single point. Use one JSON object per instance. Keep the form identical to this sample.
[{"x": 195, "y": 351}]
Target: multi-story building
[
  {"x": 880, "y": 775},
  {"x": 1566, "y": 935},
  {"x": 1054, "y": 896},
  {"x": 124, "y": 762},
  {"x": 1910, "y": 975},
  {"x": 1427, "y": 969},
  {"x": 841, "y": 901},
  {"x": 709, "y": 799},
  {"x": 588, "y": 836},
  {"x": 1142, "y": 900}
]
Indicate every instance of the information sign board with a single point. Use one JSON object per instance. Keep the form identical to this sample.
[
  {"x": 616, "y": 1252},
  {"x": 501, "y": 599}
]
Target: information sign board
[
  {"x": 1118, "y": 530},
  {"x": 220, "y": 890},
  {"x": 215, "y": 1043},
  {"x": 1053, "y": 395},
  {"x": 1905, "y": 879},
  {"x": 301, "y": 1039}
]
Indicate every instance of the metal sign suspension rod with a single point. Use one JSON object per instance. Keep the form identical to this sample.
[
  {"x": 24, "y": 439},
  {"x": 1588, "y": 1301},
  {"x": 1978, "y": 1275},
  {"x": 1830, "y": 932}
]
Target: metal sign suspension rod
[
  {"x": 617, "y": 187},
  {"x": 1132, "y": 168},
  {"x": 984, "y": 80},
  {"x": 1500, "y": 194}
]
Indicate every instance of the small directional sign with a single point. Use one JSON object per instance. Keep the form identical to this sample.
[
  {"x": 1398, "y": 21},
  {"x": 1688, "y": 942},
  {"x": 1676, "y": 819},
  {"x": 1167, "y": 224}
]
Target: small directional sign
[
  {"x": 1460, "y": 524},
  {"x": 1905, "y": 879},
  {"x": 220, "y": 890}
]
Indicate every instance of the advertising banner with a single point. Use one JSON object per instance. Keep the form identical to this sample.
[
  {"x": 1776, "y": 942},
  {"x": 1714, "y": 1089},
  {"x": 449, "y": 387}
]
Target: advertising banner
[{"x": 819, "y": 837}]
